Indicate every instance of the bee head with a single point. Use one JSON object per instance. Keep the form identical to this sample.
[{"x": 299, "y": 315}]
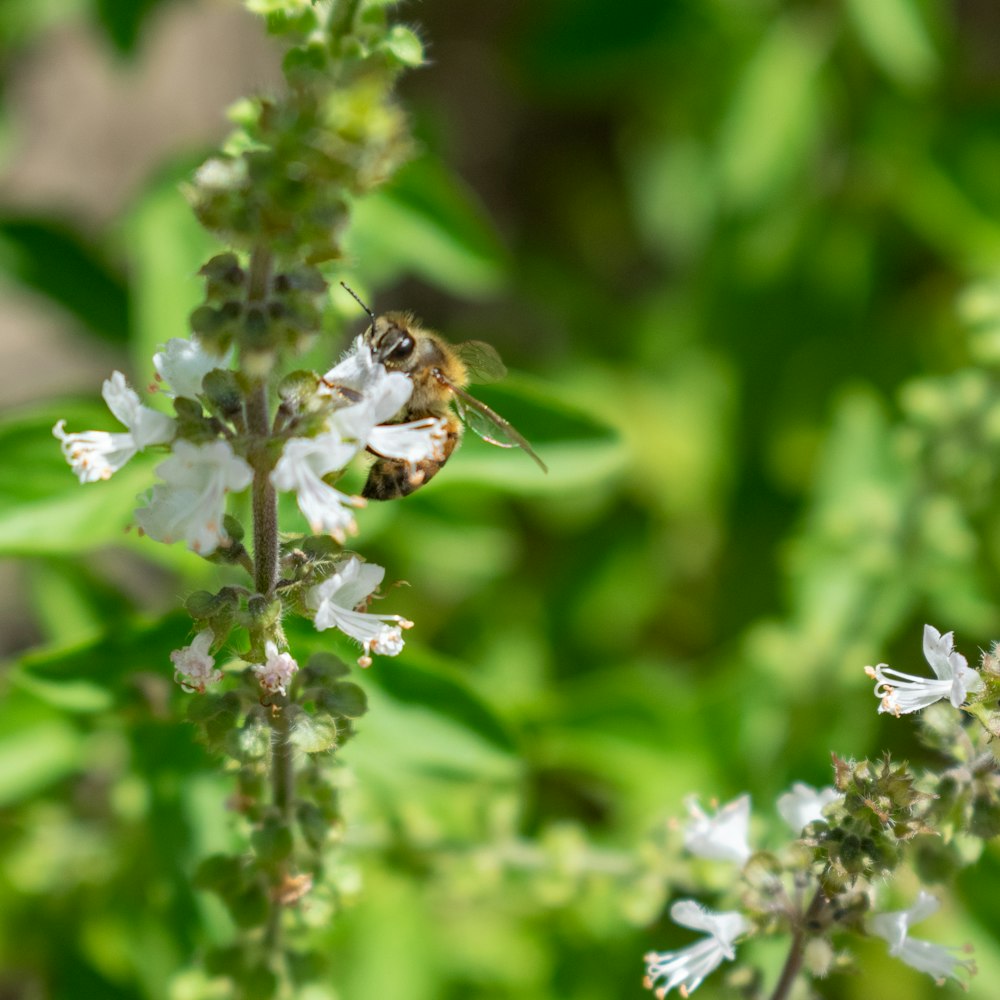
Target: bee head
[{"x": 391, "y": 341}]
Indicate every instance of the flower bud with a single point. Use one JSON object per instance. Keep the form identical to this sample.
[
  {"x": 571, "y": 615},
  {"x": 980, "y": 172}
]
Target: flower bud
[
  {"x": 223, "y": 392},
  {"x": 262, "y": 614}
]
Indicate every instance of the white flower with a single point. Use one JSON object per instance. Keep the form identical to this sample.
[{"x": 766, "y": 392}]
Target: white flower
[
  {"x": 336, "y": 598},
  {"x": 903, "y": 693},
  {"x": 194, "y": 666},
  {"x": 803, "y": 804},
  {"x": 95, "y": 455},
  {"x": 381, "y": 394},
  {"x": 190, "y": 504},
  {"x": 277, "y": 671},
  {"x": 722, "y": 837},
  {"x": 687, "y": 967},
  {"x": 182, "y": 364},
  {"x": 936, "y": 960},
  {"x": 303, "y": 463}
]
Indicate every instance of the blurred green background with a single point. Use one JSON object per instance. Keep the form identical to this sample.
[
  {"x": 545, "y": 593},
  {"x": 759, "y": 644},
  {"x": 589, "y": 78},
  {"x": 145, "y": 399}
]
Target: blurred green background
[{"x": 745, "y": 257}]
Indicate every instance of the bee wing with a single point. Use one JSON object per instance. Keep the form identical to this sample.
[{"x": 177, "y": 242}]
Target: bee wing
[
  {"x": 488, "y": 424},
  {"x": 481, "y": 361}
]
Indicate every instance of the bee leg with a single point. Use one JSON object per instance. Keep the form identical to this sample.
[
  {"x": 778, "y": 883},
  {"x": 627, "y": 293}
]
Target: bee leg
[{"x": 390, "y": 478}]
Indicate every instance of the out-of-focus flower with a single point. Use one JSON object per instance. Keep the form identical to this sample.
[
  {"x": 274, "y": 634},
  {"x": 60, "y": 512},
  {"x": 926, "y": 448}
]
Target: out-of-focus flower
[
  {"x": 182, "y": 364},
  {"x": 96, "y": 455},
  {"x": 803, "y": 804},
  {"x": 936, "y": 960},
  {"x": 901, "y": 693},
  {"x": 335, "y": 600},
  {"x": 685, "y": 969},
  {"x": 190, "y": 504},
  {"x": 722, "y": 837}
]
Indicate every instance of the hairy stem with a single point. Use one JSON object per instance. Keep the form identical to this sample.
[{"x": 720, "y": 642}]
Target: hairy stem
[
  {"x": 793, "y": 963},
  {"x": 265, "y": 502},
  {"x": 265, "y": 574}
]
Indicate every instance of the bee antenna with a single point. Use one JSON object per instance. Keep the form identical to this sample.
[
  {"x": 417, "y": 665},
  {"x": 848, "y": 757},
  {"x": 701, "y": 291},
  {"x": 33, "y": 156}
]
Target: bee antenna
[{"x": 357, "y": 298}]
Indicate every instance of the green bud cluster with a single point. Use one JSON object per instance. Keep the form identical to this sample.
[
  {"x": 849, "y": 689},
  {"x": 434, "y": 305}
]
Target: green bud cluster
[
  {"x": 287, "y": 175},
  {"x": 862, "y": 838},
  {"x": 319, "y": 714},
  {"x": 284, "y": 316}
]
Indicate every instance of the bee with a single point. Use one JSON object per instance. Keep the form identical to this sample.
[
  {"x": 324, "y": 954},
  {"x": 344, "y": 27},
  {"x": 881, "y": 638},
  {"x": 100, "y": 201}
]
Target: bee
[{"x": 439, "y": 372}]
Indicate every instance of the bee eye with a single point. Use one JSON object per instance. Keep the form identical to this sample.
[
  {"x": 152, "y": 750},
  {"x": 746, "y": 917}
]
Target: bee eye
[{"x": 402, "y": 350}]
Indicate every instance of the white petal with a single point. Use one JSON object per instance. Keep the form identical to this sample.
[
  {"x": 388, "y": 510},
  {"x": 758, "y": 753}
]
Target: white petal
[
  {"x": 723, "y": 837},
  {"x": 191, "y": 504},
  {"x": 687, "y": 968},
  {"x": 937, "y": 651},
  {"x": 94, "y": 455},
  {"x": 412, "y": 442},
  {"x": 122, "y": 400},
  {"x": 936, "y": 960},
  {"x": 803, "y": 804},
  {"x": 182, "y": 364}
]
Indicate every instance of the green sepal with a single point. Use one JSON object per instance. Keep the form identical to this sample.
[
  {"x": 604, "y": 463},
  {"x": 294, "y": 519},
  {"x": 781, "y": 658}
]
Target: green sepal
[
  {"x": 252, "y": 741},
  {"x": 344, "y": 699},
  {"x": 326, "y": 666},
  {"x": 314, "y": 825},
  {"x": 224, "y": 393},
  {"x": 249, "y": 908},
  {"x": 313, "y": 733},
  {"x": 219, "y": 873},
  {"x": 223, "y": 277},
  {"x": 272, "y": 841}
]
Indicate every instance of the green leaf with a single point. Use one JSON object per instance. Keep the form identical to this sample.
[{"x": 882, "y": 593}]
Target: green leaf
[
  {"x": 33, "y": 757},
  {"x": 105, "y": 662},
  {"x": 425, "y": 223},
  {"x": 771, "y": 125},
  {"x": 897, "y": 39},
  {"x": 53, "y": 260},
  {"x": 123, "y": 19}
]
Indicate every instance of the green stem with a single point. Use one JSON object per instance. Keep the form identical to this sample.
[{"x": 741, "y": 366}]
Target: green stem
[
  {"x": 265, "y": 574},
  {"x": 265, "y": 501},
  {"x": 342, "y": 17},
  {"x": 793, "y": 964}
]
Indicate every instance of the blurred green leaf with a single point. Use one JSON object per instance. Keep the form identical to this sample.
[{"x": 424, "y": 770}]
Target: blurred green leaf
[
  {"x": 123, "y": 19},
  {"x": 425, "y": 224},
  {"x": 771, "y": 125},
  {"x": 50, "y": 258},
  {"x": 33, "y": 757},
  {"x": 894, "y": 33}
]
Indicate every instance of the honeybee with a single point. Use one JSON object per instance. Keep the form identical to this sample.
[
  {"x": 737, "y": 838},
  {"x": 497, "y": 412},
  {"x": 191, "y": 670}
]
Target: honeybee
[{"x": 439, "y": 372}]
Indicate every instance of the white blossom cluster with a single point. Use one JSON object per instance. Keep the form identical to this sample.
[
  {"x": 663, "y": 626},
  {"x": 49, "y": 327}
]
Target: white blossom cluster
[
  {"x": 724, "y": 836},
  {"x": 189, "y": 504}
]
